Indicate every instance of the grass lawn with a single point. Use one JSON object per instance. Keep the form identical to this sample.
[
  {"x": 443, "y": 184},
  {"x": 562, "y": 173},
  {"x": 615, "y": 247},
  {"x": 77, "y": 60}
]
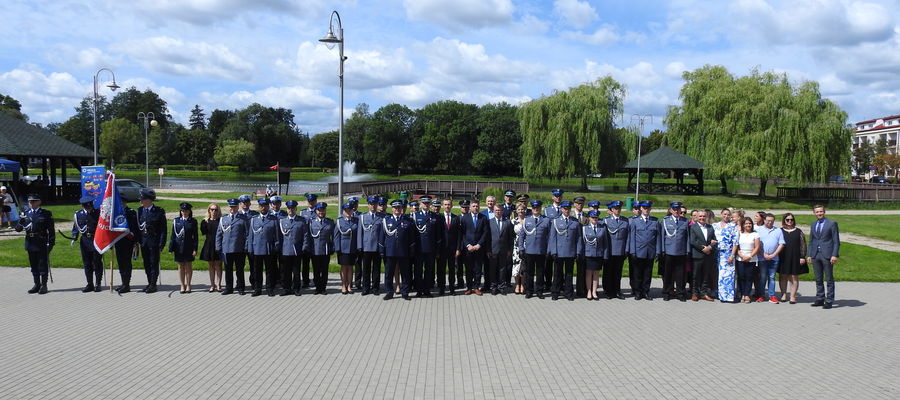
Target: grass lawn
[{"x": 876, "y": 226}]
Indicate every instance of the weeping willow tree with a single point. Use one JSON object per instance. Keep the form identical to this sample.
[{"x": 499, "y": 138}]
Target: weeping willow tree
[
  {"x": 572, "y": 133},
  {"x": 759, "y": 126}
]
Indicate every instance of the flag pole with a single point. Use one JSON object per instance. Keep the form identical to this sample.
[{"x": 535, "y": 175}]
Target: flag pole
[{"x": 111, "y": 274}]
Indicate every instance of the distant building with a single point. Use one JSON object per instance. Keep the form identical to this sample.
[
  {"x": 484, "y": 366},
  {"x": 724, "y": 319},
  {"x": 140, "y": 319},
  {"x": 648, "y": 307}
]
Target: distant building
[{"x": 872, "y": 130}]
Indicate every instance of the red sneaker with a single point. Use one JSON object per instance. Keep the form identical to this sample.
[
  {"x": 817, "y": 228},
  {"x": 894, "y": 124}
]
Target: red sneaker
[
  {"x": 759, "y": 299},
  {"x": 773, "y": 300}
]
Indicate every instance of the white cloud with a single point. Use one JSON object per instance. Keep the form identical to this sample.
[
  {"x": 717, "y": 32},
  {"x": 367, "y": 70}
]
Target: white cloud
[
  {"x": 207, "y": 12},
  {"x": 641, "y": 74},
  {"x": 606, "y": 34},
  {"x": 870, "y": 65},
  {"x": 461, "y": 14},
  {"x": 458, "y": 62},
  {"x": 44, "y": 97},
  {"x": 531, "y": 25},
  {"x": 578, "y": 14},
  {"x": 177, "y": 57},
  {"x": 317, "y": 66},
  {"x": 675, "y": 69}
]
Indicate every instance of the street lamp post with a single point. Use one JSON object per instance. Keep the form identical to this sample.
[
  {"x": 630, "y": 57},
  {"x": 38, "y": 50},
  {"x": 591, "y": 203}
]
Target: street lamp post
[
  {"x": 640, "y": 119},
  {"x": 330, "y": 40},
  {"x": 112, "y": 86},
  {"x": 149, "y": 120}
]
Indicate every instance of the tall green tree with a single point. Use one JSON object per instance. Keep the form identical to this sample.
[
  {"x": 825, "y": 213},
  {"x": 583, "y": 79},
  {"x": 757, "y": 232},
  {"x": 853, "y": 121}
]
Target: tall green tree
[
  {"x": 11, "y": 106},
  {"x": 497, "y": 150},
  {"x": 238, "y": 153},
  {"x": 390, "y": 135},
  {"x": 655, "y": 140},
  {"x": 197, "y": 120},
  {"x": 323, "y": 150},
  {"x": 271, "y": 130},
  {"x": 444, "y": 137},
  {"x": 863, "y": 158},
  {"x": 129, "y": 102},
  {"x": 565, "y": 134},
  {"x": 355, "y": 129},
  {"x": 120, "y": 140},
  {"x": 194, "y": 146},
  {"x": 79, "y": 128},
  {"x": 760, "y": 125}
]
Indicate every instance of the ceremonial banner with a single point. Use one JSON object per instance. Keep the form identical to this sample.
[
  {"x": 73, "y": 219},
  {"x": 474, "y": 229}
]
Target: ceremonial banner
[
  {"x": 93, "y": 183},
  {"x": 112, "y": 225}
]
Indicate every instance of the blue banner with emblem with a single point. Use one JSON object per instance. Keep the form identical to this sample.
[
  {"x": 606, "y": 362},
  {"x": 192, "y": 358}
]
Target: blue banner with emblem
[{"x": 93, "y": 183}]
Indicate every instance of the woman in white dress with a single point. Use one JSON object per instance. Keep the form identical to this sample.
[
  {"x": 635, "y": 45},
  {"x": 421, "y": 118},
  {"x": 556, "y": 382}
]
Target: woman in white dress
[
  {"x": 726, "y": 235},
  {"x": 517, "y": 273}
]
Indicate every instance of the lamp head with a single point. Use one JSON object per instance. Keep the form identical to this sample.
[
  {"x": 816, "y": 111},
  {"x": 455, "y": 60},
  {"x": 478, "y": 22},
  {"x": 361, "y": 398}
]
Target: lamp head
[
  {"x": 153, "y": 122},
  {"x": 113, "y": 86},
  {"x": 330, "y": 40}
]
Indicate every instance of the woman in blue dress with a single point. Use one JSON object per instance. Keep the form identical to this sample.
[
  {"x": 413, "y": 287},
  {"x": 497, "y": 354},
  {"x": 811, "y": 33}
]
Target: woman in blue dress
[
  {"x": 183, "y": 243},
  {"x": 345, "y": 245},
  {"x": 726, "y": 235}
]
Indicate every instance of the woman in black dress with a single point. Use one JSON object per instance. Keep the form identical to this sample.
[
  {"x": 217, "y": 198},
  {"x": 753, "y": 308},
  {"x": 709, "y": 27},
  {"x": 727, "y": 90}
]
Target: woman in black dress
[
  {"x": 208, "y": 227},
  {"x": 183, "y": 243},
  {"x": 792, "y": 261}
]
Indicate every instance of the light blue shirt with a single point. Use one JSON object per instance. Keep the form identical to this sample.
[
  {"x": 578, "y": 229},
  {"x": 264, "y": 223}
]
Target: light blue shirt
[{"x": 769, "y": 239}]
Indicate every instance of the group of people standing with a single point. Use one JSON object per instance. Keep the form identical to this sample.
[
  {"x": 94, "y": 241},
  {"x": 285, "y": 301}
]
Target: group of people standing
[{"x": 517, "y": 246}]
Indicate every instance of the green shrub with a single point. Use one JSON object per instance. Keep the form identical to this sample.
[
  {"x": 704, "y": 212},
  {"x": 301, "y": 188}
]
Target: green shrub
[{"x": 227, "y": 168}]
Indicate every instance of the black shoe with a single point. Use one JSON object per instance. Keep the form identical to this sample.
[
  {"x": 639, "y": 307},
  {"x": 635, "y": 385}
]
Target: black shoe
[
  {"x": 34, "y": 289},
  {"x": 146, "y": 289},
  {"x": 682, "y": 298},
  {"x": 826, "y": 306},
  {"x": 638, "y": 296},
  {"x": 43, "y": 289},
  {"x": 406, "y": 297},
  {"x": 555, "y": 297},
  {"x": 297, "y": 293},
  {"x": 529, "y": 295},
  {"x": 494, "y": 292},
  {"x": 452, "y": 292},
  {"x": 647, "y": 296},
  {"x": 183, "y": 291},
  {"x": 256, "y": 293},
  {"x": 428, "y": 294},
  {"x": 97, "y": 288},
  {"x": 540, "y": 295},
  {"x": 818, "y": 303},
  {"x": 227, "y": 291},
  {"x": 388, "y": 296},
  {"x": 88, "y": 288},
  {"x": 151, "y": 288},
  {"x": 620, "y": 296},
  {"x": 365, "y": 292},
  {"x": 440, "y": 292},
  {"x": 667, "y": 297},
  {"x": 270, "y": 293},
  {"x": 571, "y": 297},
  {"x": 305, "y": 285},
  {"x": 285, "y": 292},
  {"x": 242, "y": 292},
  {"x": 123, "y": 289}
]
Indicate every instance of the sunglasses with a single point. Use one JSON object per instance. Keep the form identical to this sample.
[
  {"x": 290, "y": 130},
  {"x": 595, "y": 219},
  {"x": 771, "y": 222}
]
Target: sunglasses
[
  {"x": 788, "y": 219},
  {"x": 213, "y": 209}
]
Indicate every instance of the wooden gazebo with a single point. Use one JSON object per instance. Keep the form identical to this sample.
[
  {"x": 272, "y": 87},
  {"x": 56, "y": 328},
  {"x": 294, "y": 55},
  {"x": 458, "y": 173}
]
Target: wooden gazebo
[
  {"x": 23, "y": 142},
  {"x": 666, "y": 159}
]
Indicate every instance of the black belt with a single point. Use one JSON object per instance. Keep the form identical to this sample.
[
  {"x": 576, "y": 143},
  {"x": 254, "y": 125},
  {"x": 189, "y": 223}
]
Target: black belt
[
  {"x": 87, "y": 234},
  {"x": 31, "y": 235}
]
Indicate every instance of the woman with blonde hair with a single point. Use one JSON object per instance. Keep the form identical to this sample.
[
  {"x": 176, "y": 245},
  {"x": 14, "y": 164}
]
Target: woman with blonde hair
[{"x": 208, "y": 228}]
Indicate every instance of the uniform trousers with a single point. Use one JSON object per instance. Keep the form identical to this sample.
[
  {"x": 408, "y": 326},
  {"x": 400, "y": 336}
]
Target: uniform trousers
[
  {"x": 263, "y": 262},
  {"x": 548, "y": 272},
  {"x": 534, "y": 273},
  {"x": 612, "y": 276},
  {"x": 92, "y": 262},
  {"x": 580, "y": 276},
  {"x": 423, "y": 272},
  {"x": 124, "y": 252},
  {"x": 640, "y": 274},
  {"x": 371, "y": 273},
  {"x": 358, "y": 271},
  {"x": 305, "y": 262},
  {"x": 446, "y": 268},
  {"x": 290, "y": 273},
  {"x": 673, "y": 275},
  {"x": 234, "y": 265},
  {"x": 320, "y": 271},
  {"x": 150, "y": 254},
  {"x": 40, "y": 262},
  {"x": 401, "y": 263},
  {"x": 562, "y": 275}
]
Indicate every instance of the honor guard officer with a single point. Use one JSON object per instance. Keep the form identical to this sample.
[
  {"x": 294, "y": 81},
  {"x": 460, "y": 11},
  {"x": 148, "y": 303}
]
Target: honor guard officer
[
  {"x": 617, "y": 228},
  {"x": 263, "y": 242},
  {"x": 509, "y": 205},
  {"x": 85, "y": 225},
  {"x": 231, "y": 242},
  {"x": 594, "y": 205},
  {"x": 39, "y": 240},
  {"x": 580, "y": 215},
  {"x": 275, "y": 209},
  {"x": 321, "y": 232},
  {"x": 275, "y": 202},
  {"x": 474, "y": 244},
  {"x": 294, "y": 241},
  {"x": 594, "y": 247},
  {"x": 449, "y": 248},
  {"x": 643, "y": 247},
  {"x": 247, "y": 213},
  {"x": 152, "y": 223},
  {"x": 357, "y": 261},
  {"x": 552, "y": 211},
  {"x": 675, "y": 247},
  {"x": 398, "y": 238},
  {"x": 430, "y": 236},
  {"x": 127, "y": 247},
  {"x": 306, "y": 258},
  {"x": 344, "y": 241},
  {"x": 533, "y": 245},
  {"x": 368, "y": 237},
  {"x": 565, "y": 233}
]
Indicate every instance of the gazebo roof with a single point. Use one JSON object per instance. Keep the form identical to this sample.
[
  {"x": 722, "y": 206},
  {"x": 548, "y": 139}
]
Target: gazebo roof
[
  {"x": 665, "y": 157},
  {"x": 21, "y": 139}
]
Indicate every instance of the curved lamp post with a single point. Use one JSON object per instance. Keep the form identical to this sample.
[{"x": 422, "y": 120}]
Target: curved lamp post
[
  {"x": 112, "y": 86},
  {"x": 330, "y": 40},
  {"x": 149, "y": 120},
  {"x": 640, "y": 119}
]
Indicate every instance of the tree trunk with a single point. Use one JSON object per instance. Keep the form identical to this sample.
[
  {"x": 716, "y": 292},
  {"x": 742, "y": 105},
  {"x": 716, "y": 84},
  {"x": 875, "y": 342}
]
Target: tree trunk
[
  {"x": 762, "y": 187},
  {"x": 724, "y": 184},
  {"x": 584, "y": 187}
]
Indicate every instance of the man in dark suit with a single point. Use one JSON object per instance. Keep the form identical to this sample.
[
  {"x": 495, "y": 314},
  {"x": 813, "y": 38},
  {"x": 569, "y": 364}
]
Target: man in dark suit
[
  {"x": 824, "y": 244},
  {"x": 500, "y": 251},
  {"x": 449, "y": 249},
  {"x": 473, "y": 244},
  {"x": 703, "y": 242},
  {"x": 39, "y": 240}
]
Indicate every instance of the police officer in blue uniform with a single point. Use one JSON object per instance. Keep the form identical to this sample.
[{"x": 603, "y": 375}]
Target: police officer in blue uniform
[
  {"x": 430, "y": 236},
  {"x": 39, "y": 241},
  {"x": 675, "y": 247},
  {"x": 345, "y": 245},
  {"x": 275, "y": 205},
  {"x": 594, "y": 248},
  {"x": 248, "y": 213},
  {"x": 565, "y": 233},
  {"x": 263, "y": 242},
  {"x": 368, "y": 236},
  {"x": 294, "y": 241},
  {"x": 127, "y": 246},
  {"x": 552, "y": 211},
  {"x": 617, "y": 229},
  {"x": 152, "y": 224},
  {"x": 398, "y": 242},
  {"x": 357, "y": 262},
  {"x": 85, "y": 225},
  {"x": 321, "y": 232},
  {"x": 533, "y": 246},
  {"x": 231, "y": 242},
  {"x": 275, "y": 209},
  {"x": 183, "y": 244},
  {"x": 580, "y": 266},
  {"x": 306, "y": 258},
  {"x": 643, "y": 248},
  {"x": 509, "y": 205}
]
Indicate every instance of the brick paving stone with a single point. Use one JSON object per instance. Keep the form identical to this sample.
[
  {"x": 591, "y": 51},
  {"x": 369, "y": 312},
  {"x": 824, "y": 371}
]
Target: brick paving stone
[{"x": 68, "y": 344}]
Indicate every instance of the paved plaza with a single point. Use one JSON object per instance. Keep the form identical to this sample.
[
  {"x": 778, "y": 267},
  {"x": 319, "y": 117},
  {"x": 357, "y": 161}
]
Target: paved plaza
[{"x": 67, "y": 344}]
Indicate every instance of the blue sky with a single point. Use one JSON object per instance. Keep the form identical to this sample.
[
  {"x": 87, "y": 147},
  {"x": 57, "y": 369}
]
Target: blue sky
[{"x": 227, "y": 54}]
